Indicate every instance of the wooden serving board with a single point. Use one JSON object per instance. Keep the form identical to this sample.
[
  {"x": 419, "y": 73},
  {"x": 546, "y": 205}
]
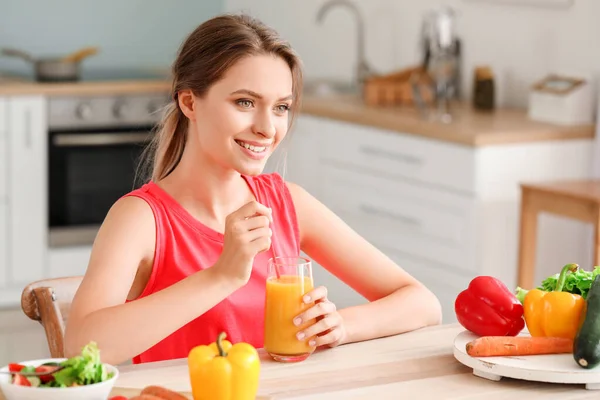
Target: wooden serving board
[{"x": 552, "y": 368}]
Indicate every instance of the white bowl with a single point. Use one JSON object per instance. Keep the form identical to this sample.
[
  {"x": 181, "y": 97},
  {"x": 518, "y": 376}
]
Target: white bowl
[{"x": 97, "y": 391}]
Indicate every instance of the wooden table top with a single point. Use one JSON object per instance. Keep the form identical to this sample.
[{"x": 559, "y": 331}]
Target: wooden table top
[
  {"x": 587, "y": 189},
  {"x": 418, "y": 364}
]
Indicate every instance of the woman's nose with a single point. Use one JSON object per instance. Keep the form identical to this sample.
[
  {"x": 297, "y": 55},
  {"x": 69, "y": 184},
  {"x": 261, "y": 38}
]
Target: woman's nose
[{"x": 264, "y": 125}]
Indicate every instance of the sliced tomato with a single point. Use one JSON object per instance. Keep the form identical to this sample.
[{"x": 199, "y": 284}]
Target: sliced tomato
[
  {"x": 48, "y": 369},
  {"x": 15, "y": 367},
  {"x": 118, "y": 398},
  {"x": 21, "y": 380}
]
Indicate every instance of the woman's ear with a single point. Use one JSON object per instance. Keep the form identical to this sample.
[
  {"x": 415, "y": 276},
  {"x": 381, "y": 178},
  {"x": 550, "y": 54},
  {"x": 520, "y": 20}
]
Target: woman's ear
[{"x": 186, "y": 103}]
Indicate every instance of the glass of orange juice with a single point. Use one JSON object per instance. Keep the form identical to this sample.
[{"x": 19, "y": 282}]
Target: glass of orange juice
[{"x": 289, "y": 279}]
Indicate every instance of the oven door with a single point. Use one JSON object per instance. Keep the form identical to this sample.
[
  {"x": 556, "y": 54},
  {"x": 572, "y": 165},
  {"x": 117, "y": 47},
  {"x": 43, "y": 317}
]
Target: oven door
[{"x": 88, "y": 172}]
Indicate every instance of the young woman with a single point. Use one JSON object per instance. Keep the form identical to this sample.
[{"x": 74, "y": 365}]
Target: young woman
[{"x": 185, "y": 256}]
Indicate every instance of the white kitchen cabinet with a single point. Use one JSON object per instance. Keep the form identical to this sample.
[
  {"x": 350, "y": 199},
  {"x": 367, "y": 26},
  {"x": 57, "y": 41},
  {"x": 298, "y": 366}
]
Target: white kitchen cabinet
[
  {"x": 3, "y": 245},
  {"x": 68, "y": 261},
  {"x": 410, "y": 157},
  {"x": 303, "y": 157},
  {"x": 444, "y": 212},
  {"x": 296, "y": 159},
  {"x": 27, "y": 188},
  {"x": 3, "y": 145},
  {"x": 3, "y": 200},
  {"x": 425, "y": 222}
]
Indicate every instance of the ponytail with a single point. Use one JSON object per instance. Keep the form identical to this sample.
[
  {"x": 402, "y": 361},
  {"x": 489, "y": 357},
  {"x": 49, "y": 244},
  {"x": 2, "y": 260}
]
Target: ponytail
[
  {"x": 170, "y": 142},
  {"x": 164, "y": 152}
]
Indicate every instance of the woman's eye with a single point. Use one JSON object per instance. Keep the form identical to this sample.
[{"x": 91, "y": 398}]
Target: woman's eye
[
  {"x": 282, "y": 108},
  {"x": 244, "y": 103}
]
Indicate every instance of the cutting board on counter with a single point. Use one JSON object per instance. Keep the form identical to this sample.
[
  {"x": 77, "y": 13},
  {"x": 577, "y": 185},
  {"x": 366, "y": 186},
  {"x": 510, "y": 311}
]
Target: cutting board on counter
[{"x": 552, "y": 368}]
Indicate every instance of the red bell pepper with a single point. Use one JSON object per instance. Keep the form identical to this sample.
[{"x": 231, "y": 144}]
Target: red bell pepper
[{"x": 488, "y": 308}]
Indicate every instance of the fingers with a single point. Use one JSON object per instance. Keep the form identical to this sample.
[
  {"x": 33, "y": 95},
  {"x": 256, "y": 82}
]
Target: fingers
[
  {"x": 258, "y": 234},
  {"x": 319, "y": 293},
  {"x": 250, "y": 210},
  {"x": 322, "y": 332},
  {"x": 330, "y": 339},
  {"x": 327, "y": 326},
  {"x": 256, "y": 222},
  {"x": 322, "y": 308}
]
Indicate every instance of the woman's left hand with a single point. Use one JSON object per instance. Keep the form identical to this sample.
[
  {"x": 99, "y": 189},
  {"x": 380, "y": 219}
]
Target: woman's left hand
[{"x": 328, "y": 328}]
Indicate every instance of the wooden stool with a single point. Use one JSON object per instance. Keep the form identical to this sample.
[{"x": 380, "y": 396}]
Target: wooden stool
[{"x": 574, "y": 199}]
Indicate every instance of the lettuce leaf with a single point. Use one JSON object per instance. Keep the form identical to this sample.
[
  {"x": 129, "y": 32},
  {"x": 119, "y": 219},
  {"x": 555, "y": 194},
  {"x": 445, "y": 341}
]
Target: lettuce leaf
[
  {"x": 84, "y": 369},
  {"x": 578, "y": 282}
]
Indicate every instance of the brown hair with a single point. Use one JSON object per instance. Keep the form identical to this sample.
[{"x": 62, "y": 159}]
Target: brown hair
[{"x": 204, "y": 57}]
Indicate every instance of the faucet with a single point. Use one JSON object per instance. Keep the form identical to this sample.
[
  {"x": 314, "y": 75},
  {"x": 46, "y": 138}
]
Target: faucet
[{"x": 363, "y": 70}]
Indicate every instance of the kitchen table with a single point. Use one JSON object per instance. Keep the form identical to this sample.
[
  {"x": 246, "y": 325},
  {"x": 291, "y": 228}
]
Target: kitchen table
[{"x": 418, "y": 364}]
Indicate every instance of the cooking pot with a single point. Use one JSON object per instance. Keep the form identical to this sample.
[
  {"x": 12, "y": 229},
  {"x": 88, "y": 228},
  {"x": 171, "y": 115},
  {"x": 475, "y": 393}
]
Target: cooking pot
[{"x": 55, "y": 69}]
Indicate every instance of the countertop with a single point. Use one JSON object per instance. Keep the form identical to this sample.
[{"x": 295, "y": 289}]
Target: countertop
[
  {"x": 419, "y": 364},
  {"x": 16, "y": 87},
  {"x": 469, "y": 127}
]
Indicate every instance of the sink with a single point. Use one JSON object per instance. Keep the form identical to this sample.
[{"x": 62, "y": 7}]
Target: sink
[{"x": 328, "y": 87}]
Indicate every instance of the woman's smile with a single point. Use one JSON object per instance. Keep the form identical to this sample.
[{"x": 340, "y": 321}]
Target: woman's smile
[{"x": 255, "y": 150}]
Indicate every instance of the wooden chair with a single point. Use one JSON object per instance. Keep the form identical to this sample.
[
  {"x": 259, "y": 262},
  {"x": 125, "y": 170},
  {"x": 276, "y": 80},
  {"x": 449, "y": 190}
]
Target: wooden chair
[
  {"x": 579, "y": 200},
  {"x": 48, "y": 302}
]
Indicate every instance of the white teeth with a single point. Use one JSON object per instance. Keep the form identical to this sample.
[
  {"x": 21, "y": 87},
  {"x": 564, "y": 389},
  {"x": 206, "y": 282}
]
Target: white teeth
[{"x": 250, "y": 147}]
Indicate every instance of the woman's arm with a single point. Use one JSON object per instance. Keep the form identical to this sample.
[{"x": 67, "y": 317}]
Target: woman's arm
[
  {"x": 398, "y": 302},
  {"x": 125, "y": 241}
]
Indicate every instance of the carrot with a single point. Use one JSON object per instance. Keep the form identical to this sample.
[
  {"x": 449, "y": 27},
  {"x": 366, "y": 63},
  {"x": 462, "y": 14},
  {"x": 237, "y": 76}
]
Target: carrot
[
  {"x": 162, "y": 393},
  {"x": 489, "y": 346},
  {"x": 146, "y": 397}
]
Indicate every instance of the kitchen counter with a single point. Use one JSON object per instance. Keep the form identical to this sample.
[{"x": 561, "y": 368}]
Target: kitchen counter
[
  {"x": 21, "y": 88},
  {"x": 418, "y": 364},
  {"x": 470, "y": 127}
]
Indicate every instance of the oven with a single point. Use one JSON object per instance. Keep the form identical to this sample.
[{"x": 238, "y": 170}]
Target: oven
[{"x": 94, "y": 149}]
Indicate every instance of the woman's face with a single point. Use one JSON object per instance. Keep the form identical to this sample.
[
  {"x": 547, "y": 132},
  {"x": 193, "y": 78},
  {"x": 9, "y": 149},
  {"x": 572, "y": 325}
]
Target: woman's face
[{"x": 245, "y": 115}]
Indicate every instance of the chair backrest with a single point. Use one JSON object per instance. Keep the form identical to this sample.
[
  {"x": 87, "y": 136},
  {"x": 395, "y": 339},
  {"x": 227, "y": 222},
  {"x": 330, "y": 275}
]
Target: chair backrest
[{"x": 48, "y": 302}]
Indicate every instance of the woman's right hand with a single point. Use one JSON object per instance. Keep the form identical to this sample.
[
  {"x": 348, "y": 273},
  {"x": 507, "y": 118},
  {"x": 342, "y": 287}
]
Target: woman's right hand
[{"x": 247, "y": 234}]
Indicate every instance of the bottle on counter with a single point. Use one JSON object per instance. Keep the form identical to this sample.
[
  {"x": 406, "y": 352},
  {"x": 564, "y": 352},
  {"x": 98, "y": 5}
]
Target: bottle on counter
[{"x": 483, "y": 89}]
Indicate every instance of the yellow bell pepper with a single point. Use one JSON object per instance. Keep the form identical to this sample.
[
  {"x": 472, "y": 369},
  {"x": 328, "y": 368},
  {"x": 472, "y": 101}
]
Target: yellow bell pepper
[
  {"x": 222, "y": 371},
  {"x": 555, "y": 313}
]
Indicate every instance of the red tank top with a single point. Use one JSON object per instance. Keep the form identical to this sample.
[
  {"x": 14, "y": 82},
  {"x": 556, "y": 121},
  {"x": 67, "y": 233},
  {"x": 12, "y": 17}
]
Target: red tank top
[{"x": 184, "y": 245}]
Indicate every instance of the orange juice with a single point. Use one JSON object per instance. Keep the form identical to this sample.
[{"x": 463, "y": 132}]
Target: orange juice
[{"x": 282, "y": 304}]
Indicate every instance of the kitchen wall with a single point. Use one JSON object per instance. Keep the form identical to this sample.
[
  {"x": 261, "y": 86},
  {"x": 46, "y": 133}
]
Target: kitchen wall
[
  {"x": 521, "y": 43},
  {"x": 130, "y": 34}
]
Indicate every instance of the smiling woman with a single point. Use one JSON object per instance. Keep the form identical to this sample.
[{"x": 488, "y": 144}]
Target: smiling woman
[{"x": 185, "y": 257}]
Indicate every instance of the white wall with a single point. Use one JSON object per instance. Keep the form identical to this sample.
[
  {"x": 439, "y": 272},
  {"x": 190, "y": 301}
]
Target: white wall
[
  {"x": 521, "y": 43},
  {"x": 130, "y": 34}
]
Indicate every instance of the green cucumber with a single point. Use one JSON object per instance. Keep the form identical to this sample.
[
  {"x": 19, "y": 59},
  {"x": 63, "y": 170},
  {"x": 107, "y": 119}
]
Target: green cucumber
[{"x": 586, "y": 346}]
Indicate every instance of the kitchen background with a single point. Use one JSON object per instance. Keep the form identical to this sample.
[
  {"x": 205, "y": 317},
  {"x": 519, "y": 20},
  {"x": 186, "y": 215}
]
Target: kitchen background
[
  {"x": 132, "y": 34},
  {"x": 476, "y": 228}
]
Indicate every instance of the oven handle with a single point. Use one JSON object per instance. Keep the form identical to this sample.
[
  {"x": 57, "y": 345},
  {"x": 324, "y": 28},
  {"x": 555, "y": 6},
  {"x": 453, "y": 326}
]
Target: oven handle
[{"x": 99, "y": 139}]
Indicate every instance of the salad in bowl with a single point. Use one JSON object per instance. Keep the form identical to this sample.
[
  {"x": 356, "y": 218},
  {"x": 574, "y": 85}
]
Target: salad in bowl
[{"x": 81, "y": 377}]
